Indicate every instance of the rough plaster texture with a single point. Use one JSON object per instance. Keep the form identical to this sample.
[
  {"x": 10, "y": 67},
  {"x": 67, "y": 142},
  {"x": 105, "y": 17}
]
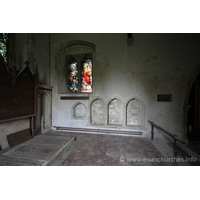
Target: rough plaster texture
[
  {"x": 42, "y": 57},
  {"x": 20, "y": 49},
  {"x": 154, "y": 64},
  {"x": 34, "y": 48}
]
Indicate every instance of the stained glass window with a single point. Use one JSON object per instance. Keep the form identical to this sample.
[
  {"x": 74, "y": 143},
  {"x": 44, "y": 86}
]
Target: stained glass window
[
  {"x": 79, "y": 74},
  {"x": 3, "y": 45},
  {"x": 86, "y": 85},
  {"x": 73, "y": 77}
]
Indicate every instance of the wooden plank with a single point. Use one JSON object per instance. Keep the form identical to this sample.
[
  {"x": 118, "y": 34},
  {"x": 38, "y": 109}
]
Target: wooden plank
[
  {"x": 17, "y": 118},
  {"x": 19, "y": 137},
  {"x": 17, "y": 92}
]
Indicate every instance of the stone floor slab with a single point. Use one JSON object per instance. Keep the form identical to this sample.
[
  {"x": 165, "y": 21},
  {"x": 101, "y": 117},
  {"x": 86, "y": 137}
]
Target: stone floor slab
[{"x": 106, "y": 150}]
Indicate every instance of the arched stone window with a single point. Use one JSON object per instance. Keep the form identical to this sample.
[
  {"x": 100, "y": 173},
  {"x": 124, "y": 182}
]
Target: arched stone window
[
  {"x": 79, "y": 73},
  {"x": 115, "y": 112},
  {"x": 74, "y": 65}
]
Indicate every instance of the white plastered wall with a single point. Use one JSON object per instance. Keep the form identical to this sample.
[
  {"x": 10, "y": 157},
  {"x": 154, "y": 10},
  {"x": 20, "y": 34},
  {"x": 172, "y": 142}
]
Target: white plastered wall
[{"x": 154, "y": 64}]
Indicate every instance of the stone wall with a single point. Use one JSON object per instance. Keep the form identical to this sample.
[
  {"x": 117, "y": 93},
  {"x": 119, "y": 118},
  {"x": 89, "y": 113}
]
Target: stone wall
[
  {"x": 44, "y": 108},
  {"x": 34, "y": 48},
  {"x": 154, "y": 64}
]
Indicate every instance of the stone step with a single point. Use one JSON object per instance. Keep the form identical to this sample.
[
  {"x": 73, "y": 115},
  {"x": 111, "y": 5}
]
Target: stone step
[{"x": 100, "y": 131}]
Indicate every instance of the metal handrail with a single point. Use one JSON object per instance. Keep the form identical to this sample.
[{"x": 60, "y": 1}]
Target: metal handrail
[
  {"x": 165, "y": 131},
  {"x": 168, "y": 133}
]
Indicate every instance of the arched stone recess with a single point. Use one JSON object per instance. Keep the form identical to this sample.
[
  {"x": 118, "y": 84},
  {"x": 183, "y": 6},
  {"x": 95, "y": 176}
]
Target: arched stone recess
[
  {"x": 115, "y": 112},
  {"x": 69, "y": 48},
  {"x": 186, "y": 106},
  {"x": 135, "y": 112},
  {"x": 79, "y": 111},
  {"x": 97, "y": 111}
]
